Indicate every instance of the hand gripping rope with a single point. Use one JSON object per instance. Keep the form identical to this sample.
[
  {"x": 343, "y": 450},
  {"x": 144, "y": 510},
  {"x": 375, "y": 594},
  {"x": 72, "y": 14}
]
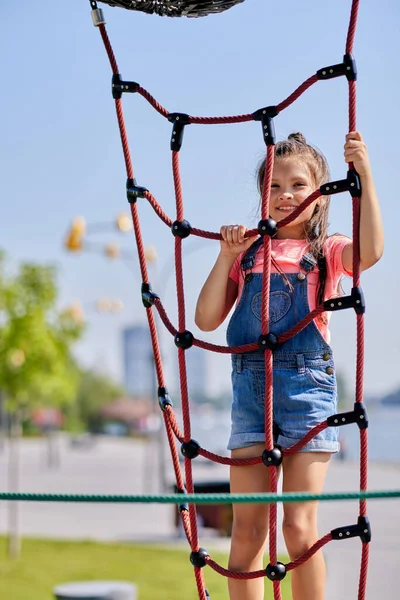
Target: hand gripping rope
[{"x": 184, "y": 339}]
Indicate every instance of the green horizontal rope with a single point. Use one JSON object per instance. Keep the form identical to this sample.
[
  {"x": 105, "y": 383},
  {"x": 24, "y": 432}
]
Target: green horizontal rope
[{"x": 199, "y": 498}]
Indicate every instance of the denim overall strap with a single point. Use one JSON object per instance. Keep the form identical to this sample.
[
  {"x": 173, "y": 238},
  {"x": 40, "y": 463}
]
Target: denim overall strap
[
  {"x": 288, "y": 305},
  {"x": 248, "y": 259}
]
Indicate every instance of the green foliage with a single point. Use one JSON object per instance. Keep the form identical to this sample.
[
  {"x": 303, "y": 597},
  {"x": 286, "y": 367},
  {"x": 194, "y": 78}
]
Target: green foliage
[
  {"x": 95, "y": 390},
  {"x": 163, "y": 573},
  {"x": 36, "y": 365}
]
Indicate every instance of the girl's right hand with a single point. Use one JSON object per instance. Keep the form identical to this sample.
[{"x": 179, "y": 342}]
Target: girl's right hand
[{"x": 233, "y": 241}]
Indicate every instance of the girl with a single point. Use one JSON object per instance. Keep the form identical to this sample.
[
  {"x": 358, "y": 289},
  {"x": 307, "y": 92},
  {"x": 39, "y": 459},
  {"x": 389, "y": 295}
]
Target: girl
[{"x": 306, "y": 269}]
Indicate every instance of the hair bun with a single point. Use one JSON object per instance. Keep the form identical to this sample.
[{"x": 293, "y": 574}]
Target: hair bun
[{"x": 297, "y": 137}]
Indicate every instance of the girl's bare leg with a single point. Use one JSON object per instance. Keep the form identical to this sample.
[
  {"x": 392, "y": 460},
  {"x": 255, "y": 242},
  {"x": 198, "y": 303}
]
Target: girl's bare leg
[
  {"x": 304, "y": 472},
  {"x": 250, "y": 526}
]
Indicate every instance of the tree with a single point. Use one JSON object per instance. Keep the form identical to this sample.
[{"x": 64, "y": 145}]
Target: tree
[
  {"x": 95, "y": 390},
  {"x": 36, "y": 364}
]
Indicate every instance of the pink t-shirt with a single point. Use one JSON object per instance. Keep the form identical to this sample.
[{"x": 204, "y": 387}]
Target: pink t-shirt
[{"x": 288, "y": 254}]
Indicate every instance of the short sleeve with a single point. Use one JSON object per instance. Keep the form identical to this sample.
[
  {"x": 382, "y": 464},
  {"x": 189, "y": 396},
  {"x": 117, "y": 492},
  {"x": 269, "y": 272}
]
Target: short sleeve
[
  {"x": 235, "y": 270},
  {"x": 333, "y": 251}
]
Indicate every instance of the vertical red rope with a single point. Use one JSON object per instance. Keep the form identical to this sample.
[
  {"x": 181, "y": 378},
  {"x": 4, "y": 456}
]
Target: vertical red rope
[
  {"x": 174, "y": 453},
  {"x": 352, "y": 105},
  {"x": 109, "y": 50},
  {"x": 182, "y": 369},
  {"x": 269, "y": 442},
  {"x": 363, "y": 469},
  {"x": 352, "y": 26},
  {"x": 124, "y": 139},
  {"x": 362, "y": 586},
  {"x": 198, "y": 573},
  {"x": 359, "y": 392},
  {"x": 265, "y": 198},
  {"x": 156, "y": 348}
]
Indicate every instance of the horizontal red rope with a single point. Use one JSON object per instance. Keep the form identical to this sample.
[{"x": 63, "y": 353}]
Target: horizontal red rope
[
  {"x": 157, "y": 209},
  {"x": 233, "y": 574},
  {"x": 305, "y": 204},
  {"x": 307, "y": 438},
  {"x": 297, "y": 93},
  {"x": 300, "y": 325},
  {"x": 245, "y": 348},
  {"x": 212, "y": 235},
  {"x": 225, "y": 460},
  {"x": 313, "y": 550},
  {"x": 220, "y": 120},
  {"x": 151, "y": 100}
]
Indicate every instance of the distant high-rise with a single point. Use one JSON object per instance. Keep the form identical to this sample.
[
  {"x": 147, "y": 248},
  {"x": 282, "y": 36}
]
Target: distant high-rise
[
  {"x": 139, "y": 375},
  {"x": 197, "y": 374},
  {"x": 139, "y": 372}
]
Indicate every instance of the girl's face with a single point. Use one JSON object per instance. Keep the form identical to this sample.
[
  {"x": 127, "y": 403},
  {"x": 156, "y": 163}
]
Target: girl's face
[{"x": 291, "y": 184}]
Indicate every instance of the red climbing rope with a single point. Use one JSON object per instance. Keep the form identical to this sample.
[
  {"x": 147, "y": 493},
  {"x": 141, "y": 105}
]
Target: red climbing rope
[{"x": 185, "y": 339}]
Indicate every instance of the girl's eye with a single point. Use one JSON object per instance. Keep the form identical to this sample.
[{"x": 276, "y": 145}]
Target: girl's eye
[{"x": 299, "y": 183}]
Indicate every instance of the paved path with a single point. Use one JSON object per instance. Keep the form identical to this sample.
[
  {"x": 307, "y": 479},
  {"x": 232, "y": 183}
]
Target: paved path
[{"x": 123, "y": 467}]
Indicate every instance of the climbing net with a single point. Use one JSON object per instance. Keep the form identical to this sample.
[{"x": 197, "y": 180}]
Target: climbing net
[
  {"x": 175, "y": 8},
  {"x": 184, "y": 339}
]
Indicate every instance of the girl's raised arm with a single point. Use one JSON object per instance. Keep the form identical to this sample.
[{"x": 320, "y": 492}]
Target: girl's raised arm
[
  {"x": 371, "y": 228},
  {"x": 219, "y": 291}
]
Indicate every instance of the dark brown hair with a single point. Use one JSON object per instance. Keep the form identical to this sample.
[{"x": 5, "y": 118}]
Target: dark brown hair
[{"x": 316, "y": 228}]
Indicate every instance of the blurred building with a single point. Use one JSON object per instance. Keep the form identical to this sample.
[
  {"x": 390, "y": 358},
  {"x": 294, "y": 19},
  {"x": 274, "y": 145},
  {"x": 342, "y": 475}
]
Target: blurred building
[
  {"x": 139, "y": 374},
  {"x": 197, "y": 374}
]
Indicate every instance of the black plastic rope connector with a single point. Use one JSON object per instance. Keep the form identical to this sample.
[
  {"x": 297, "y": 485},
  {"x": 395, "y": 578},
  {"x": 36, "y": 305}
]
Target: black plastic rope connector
[
  {"x": 351, "y": 184},
  {"x": 347, "y": 67},
  {"x": 268, "y": 341},
  {"x": 272, "y": 458},
  {"x": 190, "y": 449},
  {"x": 181, "y": 229},
  {"x": 362, "y": 530},
  {"x": 179, "y": 121},
  {"x": 198, "y": 559},
  {"x": 266, "y": 116},
  {"x": 356, "y": 300},
  {"x": 163, "y": 398},
  {"x": 118, "y": 86},
  {"x": 358, "y": 415},
  {"x": 276, "y": 572},
  {"x": 148, "y": 296},
  {"x": 354, "y": 182},
  {"x": 184, "y": 339},
  {"x": 134, "y": 191},
  {"x": 267, "y": 227}
]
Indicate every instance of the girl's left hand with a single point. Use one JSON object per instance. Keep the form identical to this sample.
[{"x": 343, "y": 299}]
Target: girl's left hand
[{"x": 355, "y": 151}]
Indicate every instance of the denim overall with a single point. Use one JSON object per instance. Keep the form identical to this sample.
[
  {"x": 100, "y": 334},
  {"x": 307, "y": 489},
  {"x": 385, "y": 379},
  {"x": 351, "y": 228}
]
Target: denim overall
[{"x": 304, "y": 382}]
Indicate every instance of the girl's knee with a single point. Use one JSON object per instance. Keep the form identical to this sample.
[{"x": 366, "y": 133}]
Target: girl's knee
[
  {"x": 247, "y": 546},
  {"x": 249, "y": 532},
  {"x": 300, "y": 532}
]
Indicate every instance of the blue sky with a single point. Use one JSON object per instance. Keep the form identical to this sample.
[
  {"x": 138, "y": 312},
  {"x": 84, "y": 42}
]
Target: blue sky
[{"x": 60, "y": 151}]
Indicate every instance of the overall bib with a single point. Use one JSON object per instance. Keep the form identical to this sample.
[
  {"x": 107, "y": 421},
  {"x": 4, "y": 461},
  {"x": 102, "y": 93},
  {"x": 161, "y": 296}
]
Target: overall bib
[{"x": 304, "y": 382}]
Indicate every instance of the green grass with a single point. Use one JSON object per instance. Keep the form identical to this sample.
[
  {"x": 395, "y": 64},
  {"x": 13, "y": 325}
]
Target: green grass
[{"x": 159, "y": 573}]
